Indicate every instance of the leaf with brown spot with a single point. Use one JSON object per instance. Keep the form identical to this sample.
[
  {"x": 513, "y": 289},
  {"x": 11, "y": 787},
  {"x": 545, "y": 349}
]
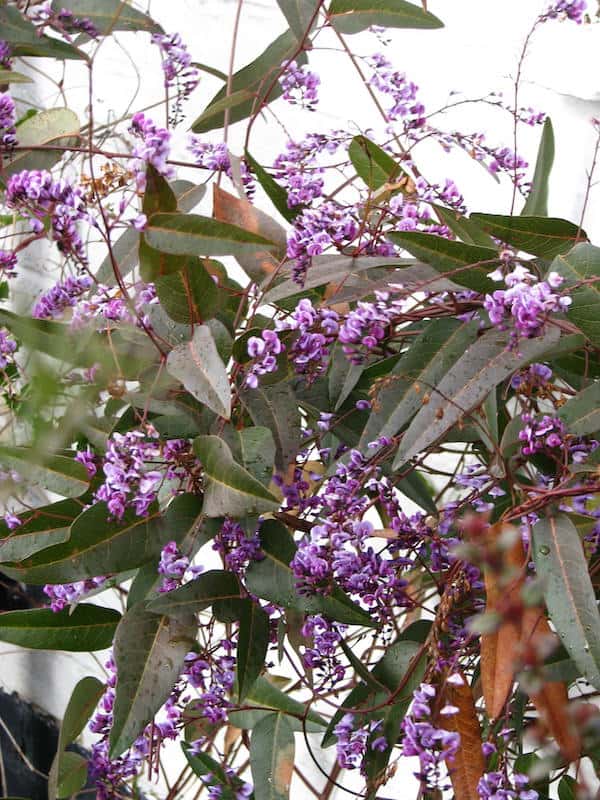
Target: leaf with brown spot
[
  {"x": 468, "y": 765},
  {"x": 552, "y": 700},
  {"x": 500, "y": 649},
  {"x": 272, "y": 757},
  {"x": 235, "y": 211}
]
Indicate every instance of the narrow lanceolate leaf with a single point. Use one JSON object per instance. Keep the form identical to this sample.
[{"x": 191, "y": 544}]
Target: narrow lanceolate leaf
[
  {"x": 99, "y": 546},
  {"x": 82, "y": 703},
  {"x": 468, "y": 765},
  {"x": 552, "y": 698},
  {"x": 195, "y": 235},
  {"x": 371, "y": 163},
  {"x": 463, "y": 228},
  {"x": 466, "y": 264},
  {"x": 190, "y": 295},
  {"x": 54, "y": 126},
  {"x": 276, "y": 408},
  {"x": 581, "y": 270},
  {"x": 500, "y": 648},
  {"x": 253, "y": 642},
  {"x": 25, "y": 39},
  {"x": 545, "y": 237},
  {"x": 536, "y": 204},
  {"x": 109, "y": 15},
  {"x": 409, "y": 384},
  {"x": 560, "y": 562},
  {"x": 88, "y": 627},
  {"x": 264, "y": 697},
  {"x": 581, "y": 414},
  {"x": 67, "y": 776},
  {"x": 197, "y": 595},
  {"x": 274, "y": 191},
  {"x": 60, "y": 474},
  {"x": 258, "y": 264},
  {"x": 229, "y": 488},
  {"x": 149, "y": 652},
  {"x": 272, "y": 579},
  {"x": 198, "y": 366},
  {"x": 39, "y": 529},
  {"x": 485, "y": 364},
  {"x": 252, "y": 86},
  {"x": 272, "y": 758},
  {"x": 8, "y": 76},
  {"x": 352, "y": 16}
]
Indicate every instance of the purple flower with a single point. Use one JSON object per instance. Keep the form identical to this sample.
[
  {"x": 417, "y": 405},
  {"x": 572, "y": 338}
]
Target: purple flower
[
  {"x": 5, "y": 55},
  {"x": 65, "y": 594},
  {"x": 175, "y": 567},
  {"x": 8, "y": 132},
  {"x": 300, "y": 85},
  {"x": 401, "y": 91},
  {"x": 317, "y": 229},
  {"x": 154, "y": 149},
  {"x": 216, "y": 157},
  {"x": 61, "y": 296},
  {"x": 7, "y": 348},
  {"x": 236, "y": 547},
  {"x": 496, "y": 786},
  {"x": 8, "y": 263},
  {"x": 264, "y": 350},
  {"x": 566, "y": 9},
  {"x": 179, "y": 71}
]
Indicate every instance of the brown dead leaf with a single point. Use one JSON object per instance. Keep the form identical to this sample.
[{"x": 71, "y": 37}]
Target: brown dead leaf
[
  {"x": 468, "y": 765},
  {"x": 552, "y": 700},
  {"x": 229, "y": 208}
]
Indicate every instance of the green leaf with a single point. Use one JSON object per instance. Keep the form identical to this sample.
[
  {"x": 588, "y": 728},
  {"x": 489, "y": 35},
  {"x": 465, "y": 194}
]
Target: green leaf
[
  {"x": 460, "y": 262},
  {"x": 276, "y": 408},
  {"x": 60, "y": 474},
  {"x": 416, "y": 374},
  {"x": 276, "y": 193},
  {"x": 68, "y": 775},
  {"x": 567, "y": 788},
  {"x": 272, "y": 752},
  {"x": 579, "y": 266},
  {"x": 194, "y": 235},
  {"x": 189, "y": 295},
  {"x": 536, "y": 204},
  {"x": 485, "y": 364},
  {"x": 25, "y": 40},
  {"x": 581, "y": 414},
  {"x": 84, "y": 699},
  {"x": 264, "y": 695},
  {"x": 197, "y": 595},
  {"x": 87, "y": 627},
  {"x": 560, "y": 563},
  {"x": 353, "y": 16},
  {"x": 54, "y": 126},
  {"x": 249, "y": 85},
  {"x": 343, "y": 376},
  {"x": 253, "y": 642},
  {"x": 8, "y": 76},
  {"x": 301, "y": 15},
  {"x": 149, "y": 653},
  {"x": 257, "y": 450},
  {"x": 40, "y": 528},
  {"x": 229, "y": 488},
  {"x": 198, "y": 366},
  {"x": 372, "y": 164},
  {"x": 272, "y": 579},
  {"x": 463, "y": 227},
  {"x": 99, "y": 546},
  {"x": 109, "y": 15},
  {"x": 213, "y": 774},
  {"x": 545, "y": 237}
]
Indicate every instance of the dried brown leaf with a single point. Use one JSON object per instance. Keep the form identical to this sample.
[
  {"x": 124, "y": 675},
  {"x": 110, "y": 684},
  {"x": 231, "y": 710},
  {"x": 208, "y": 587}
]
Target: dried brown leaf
[{"x": 468, "y": 765}]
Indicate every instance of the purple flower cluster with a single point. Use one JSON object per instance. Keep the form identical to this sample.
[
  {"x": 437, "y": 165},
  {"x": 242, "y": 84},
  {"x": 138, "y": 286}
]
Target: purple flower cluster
[
  {"x": 535, "y": 376},
  {"x": 566, "y": 9},
  {"x": 317, "y": 329},
  {"x": 8, "y": 263},
  {"x": 107, "y": 304},
  {"x": 153, "y": 149},
  {"x": 8, "y": 132},
  {"x": 367, "y": 325},
  {"x": 496, "y": 786},
  {"x": 322, "y": 655},
  {"x": 214, "y": 676},
  {"x": 180, "y": 74},
  {"x": 39, "y": 197},
  {"x": 526, "y": 300},
  {"x": 351, "y": 745},
  {"x": 264, "y": 350},
  {"x": 61, "y": 296},
  {"x": 506, "y": 160},
  {"x": 300, "y": 85},
  {"x": 127, "y": 480},
  {"x": 209, "y": 155},
  {"x": 65, "y": 594},
  {"x": 5, "y": 55},
  {"x": 298, "y": 170},
  {"x": 401, "y": 91},
  {"x": 64, "y": 20},
  {"x": 316, "y": 229},
  {"x": 7, "y": 348},
  {"x": 432, "y": 745},
  {"x": 549, "y": 433},
  {"x": 175, "y": 567},
  {"x": 236, "y": 547}
]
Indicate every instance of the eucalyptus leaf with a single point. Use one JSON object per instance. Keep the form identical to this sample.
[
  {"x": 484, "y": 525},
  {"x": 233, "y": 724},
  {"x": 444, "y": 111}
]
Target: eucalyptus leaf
[
  {"x": 580, "y": 269},
  {"x": 85, "y": 628},
  {"x": 353, "y": 16},
  {"x": 545, "y": 237},
  {"x": 272, "y": 750},
  {"x": 536, "y": 204}
]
